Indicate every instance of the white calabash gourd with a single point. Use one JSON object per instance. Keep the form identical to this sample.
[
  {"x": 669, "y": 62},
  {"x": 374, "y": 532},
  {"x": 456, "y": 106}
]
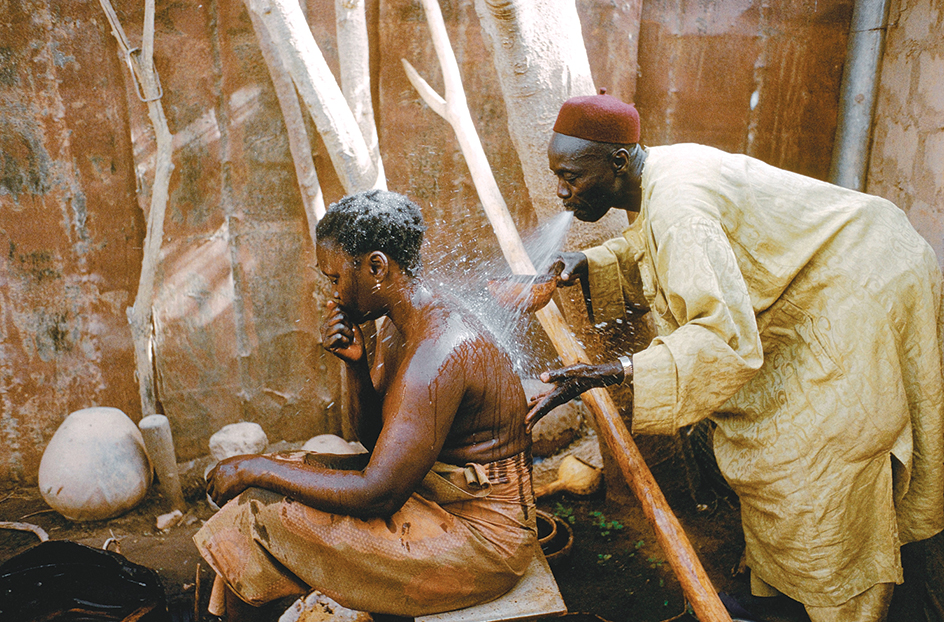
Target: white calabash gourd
[
  {"x": 574, "y": 476},
  {"x": 95, "y": 466}
]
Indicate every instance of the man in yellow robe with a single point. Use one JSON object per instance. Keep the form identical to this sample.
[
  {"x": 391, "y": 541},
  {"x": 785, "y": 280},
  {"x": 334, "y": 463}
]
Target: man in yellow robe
[{"x": 804, "y": 319}]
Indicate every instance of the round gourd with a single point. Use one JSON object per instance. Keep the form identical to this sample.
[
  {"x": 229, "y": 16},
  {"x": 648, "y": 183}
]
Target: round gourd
[{"x": 95, "y": 466}]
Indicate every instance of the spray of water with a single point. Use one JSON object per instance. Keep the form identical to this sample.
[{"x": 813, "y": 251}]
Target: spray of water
[
  {"x": 545, "y": 242},
  {"x": 502, "y": 309}
]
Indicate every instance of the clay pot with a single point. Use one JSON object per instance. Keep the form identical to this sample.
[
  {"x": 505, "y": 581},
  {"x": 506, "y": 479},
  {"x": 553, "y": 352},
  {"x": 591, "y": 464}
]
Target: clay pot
[
  {"x": 574, "y": 476},
  {"x": 555, "y": 537},
  {"x": 95, "y": 466}
]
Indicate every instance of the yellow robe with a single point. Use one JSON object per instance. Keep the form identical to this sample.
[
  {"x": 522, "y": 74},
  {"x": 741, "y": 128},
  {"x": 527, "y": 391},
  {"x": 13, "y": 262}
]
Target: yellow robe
[{"x": 805, "y": 320}]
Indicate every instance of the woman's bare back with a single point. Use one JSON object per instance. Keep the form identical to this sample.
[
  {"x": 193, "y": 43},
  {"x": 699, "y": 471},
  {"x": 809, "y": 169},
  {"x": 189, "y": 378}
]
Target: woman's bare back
[{"x": 457, "y": 354}]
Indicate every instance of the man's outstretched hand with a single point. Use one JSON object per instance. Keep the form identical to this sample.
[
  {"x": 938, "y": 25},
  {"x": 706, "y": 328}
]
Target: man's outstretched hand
[
  {"x": 570, "y": 382},
  {"x": 569, "y": 267}
]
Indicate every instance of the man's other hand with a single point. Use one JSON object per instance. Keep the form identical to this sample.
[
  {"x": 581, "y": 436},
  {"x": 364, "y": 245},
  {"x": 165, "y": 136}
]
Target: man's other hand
[{"x": 569, "y": 383}]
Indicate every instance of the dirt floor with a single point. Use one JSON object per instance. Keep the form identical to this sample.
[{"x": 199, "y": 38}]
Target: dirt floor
[
  {"x": 618, "y": 572},
  {"x": 615, "y": 569}
]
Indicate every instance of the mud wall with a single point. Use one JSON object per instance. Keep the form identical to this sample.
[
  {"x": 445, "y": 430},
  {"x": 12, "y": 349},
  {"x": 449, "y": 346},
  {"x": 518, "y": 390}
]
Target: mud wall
[
  {"x": 70, "y": 226},
  {"x": 235, "y": 320},
  {"x": 907, "y": 156},
  {"x": 751, "y": 77},
  {"x": 237, "y": 304}
]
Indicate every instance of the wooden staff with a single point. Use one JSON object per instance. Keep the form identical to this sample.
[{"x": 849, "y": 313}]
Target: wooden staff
[
  {"x": 678, "y": 550},
  {"x": 148, "y": 88}
]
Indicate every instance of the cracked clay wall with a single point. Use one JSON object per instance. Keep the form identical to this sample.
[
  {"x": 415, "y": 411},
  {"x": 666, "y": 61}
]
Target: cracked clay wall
[{"x": 70, "y": 228}]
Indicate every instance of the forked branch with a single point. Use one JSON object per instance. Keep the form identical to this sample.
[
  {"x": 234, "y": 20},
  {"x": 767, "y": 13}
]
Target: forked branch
[
  {"x": 455, "y": 110},
  {"x": 148, "y": 87}
]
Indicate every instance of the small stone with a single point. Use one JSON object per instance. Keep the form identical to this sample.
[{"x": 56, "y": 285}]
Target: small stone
[
  {"x": 237, "y": 439},
  {"x": 317, "y": 607},
  {"x": 171, "y": 519},
  {"x": 332, "y": 444}
]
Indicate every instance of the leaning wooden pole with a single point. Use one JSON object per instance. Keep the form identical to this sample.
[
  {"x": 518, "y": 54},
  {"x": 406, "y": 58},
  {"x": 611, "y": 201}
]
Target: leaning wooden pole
[
  {"x": 682, "y": 558},
  {"x": 357, "y": 169},
  {"x": 148, "y": 88},
  {"x": 299, "y": 145},
  {"x": 351, "y": 19}
]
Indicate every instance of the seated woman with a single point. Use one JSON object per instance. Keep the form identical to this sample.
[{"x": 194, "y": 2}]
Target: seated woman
[{"x": 441, "y": 516}]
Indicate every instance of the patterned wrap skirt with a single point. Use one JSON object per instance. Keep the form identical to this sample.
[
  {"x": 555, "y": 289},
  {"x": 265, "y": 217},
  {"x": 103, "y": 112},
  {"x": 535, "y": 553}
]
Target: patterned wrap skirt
[{"x": 465, "y": 537}]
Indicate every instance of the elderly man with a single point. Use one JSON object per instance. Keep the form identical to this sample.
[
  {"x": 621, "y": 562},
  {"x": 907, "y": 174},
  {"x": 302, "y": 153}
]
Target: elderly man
[{"x": 802, "y": 318}]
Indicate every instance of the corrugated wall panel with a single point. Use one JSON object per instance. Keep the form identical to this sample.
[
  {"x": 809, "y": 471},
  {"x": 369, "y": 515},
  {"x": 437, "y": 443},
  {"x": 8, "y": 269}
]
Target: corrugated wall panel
[{"x": 744, "y": 76}]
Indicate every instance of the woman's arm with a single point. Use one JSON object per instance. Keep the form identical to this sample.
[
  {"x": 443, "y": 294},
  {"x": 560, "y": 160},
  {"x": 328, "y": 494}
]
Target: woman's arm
[
  {"x": 419, "y": 407},
  {"x": 343, "y": 338}
]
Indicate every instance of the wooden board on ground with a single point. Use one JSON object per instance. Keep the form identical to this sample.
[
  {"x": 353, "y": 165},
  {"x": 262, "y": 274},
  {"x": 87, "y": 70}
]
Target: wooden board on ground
[{"x": 535, "y": 596}]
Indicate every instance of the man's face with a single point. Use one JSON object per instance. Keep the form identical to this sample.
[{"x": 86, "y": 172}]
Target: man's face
[
  {"x": 586, "y": 181},
  {"x": 350, "y": 280}
]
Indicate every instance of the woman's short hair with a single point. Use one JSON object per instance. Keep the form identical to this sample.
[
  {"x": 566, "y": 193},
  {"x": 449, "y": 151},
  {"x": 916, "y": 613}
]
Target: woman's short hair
[{"x": 376, "y": 220}]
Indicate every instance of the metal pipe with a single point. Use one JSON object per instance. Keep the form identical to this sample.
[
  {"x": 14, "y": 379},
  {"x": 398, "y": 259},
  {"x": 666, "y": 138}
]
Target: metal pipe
[{"x": 858, "y": 93}]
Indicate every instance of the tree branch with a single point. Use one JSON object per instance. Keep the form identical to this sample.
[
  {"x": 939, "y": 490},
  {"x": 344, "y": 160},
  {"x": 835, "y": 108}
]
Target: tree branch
[
  {"x": 455, "y": 110},
  {"x": 298, "y": 142},
  {"x": 140, "y": 315},
  {"x": 351, "y": 19},
  {"x": 436, "y": 103},
  {"x": 348, "y": 150}
]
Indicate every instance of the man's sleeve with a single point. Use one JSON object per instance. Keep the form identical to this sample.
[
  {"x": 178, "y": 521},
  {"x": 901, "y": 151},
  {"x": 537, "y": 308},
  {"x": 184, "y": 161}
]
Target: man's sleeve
[
  {"x": 615, "y": 284},
  {"x": 685, "y": 376}
]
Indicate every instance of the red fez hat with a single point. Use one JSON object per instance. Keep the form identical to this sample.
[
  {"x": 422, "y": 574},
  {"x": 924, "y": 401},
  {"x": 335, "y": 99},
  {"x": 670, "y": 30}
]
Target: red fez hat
[{"x": 601, "y": 118}]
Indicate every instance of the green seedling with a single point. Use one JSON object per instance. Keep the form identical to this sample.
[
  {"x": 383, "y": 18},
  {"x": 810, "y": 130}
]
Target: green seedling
[
  {"x": 564, "y": 513},
  {"x": 606, "y": 527}
]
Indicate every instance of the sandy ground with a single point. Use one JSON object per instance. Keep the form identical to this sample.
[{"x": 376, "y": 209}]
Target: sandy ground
[{"x": 615, "y": 569}]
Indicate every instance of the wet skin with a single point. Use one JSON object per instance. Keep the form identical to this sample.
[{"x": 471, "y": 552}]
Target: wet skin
[{"x": 439, "y": 389}]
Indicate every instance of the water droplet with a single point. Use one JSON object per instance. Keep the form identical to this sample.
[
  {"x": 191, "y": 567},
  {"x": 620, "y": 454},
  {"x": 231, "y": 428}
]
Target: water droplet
[{"x": 466, "y": 275}]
